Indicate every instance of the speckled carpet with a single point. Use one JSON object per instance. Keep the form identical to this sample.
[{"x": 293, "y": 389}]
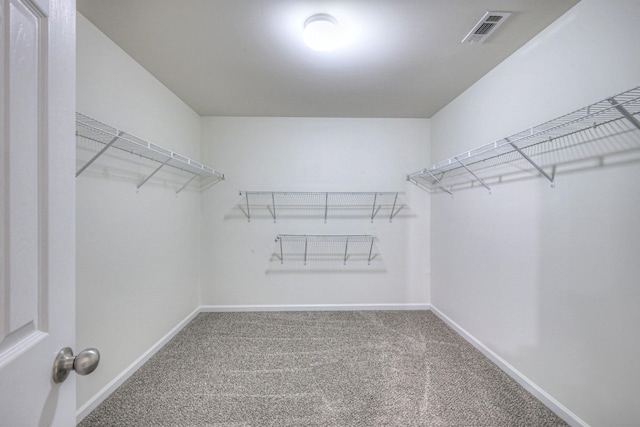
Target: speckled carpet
[{"x": 366, "y": 368}]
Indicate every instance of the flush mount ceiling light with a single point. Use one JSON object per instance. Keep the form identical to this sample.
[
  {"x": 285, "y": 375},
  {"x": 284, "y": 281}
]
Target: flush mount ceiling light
[{"x": 321, "y": 32}]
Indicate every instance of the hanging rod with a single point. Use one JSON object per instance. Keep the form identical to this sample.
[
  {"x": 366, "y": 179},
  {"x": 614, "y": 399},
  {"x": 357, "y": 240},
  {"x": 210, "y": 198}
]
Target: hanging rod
[
  {"x": 532, "y": 144},
  {"x": 371, "y": 202},
  {"x": 94, "y": 130},
  {"x": 349, "y": 240}
]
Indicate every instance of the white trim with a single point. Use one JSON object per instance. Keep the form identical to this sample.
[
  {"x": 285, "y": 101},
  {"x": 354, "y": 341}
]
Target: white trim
[
  {"x": 100, "y": 396},
  {"x": 313, "y": 307},
  {"x": 546, "y": 399}
]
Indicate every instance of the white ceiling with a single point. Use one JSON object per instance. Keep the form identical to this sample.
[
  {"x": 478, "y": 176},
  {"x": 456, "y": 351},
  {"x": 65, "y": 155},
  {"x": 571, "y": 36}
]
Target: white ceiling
[{"x": 247, "y": 57}]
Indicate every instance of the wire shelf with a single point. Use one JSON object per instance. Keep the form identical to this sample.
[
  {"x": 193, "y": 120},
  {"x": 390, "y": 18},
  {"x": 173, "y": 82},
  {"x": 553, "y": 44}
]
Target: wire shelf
[
  {"x": 322, "y": 204},
  {"x": 337, "y": 247},
  {"x": 110, "y": 137},
  {"x": 606, "y": 127}
]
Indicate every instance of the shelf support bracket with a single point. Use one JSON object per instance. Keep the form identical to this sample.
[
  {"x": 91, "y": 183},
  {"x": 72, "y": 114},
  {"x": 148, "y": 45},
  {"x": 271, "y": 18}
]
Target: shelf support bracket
[
  {"x": 484, "y": 184},
  {"x": 187, "y": 183},
  {"x": 273, "y": 201},
  {"x": 624, "y": 112},
  {"x": 246, "y": 196},
  {"x": 534, "y": 164},
  {"x": 326, "y": 206},
  {"x": 346, "y": 247},
  {"x": 393, "y": 210},
  {"x": 370, "y": 251},
  {"x": 144, "y": 181},
  {"x": 306, "y": 243},
  {"x": 98, "y": 154},
  {"x": 373, "y": 210},
  {"x": 281, "y": 253},
  {"x": 440, "y": 184}
]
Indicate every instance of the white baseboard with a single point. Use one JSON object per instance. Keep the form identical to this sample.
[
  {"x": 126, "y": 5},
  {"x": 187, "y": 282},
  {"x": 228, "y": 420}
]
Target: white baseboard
[
  {"x": 99, "y": 397},
  {"x": 314, "y": 307},
  {"x": 551, "y": 403}
]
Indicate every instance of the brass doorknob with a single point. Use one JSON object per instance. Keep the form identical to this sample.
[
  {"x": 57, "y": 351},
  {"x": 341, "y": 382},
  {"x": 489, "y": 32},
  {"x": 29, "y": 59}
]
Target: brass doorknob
[{"x": 84, "y": 363}]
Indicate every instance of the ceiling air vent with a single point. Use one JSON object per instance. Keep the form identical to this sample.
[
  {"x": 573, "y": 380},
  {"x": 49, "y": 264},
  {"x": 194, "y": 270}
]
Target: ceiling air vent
[{"x": 486, "y": 26}]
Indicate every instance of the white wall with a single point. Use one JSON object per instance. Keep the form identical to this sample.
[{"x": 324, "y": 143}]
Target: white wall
[
  {"x": 548, "y": 278},
  {"x": 313, "y": 154},
  {"x": 138, "y": 253},
  {"x": 545, "y": 278}
]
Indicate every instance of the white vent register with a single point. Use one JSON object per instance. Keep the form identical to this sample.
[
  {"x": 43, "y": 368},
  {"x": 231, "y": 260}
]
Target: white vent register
[{"x": 486, "y": 26}]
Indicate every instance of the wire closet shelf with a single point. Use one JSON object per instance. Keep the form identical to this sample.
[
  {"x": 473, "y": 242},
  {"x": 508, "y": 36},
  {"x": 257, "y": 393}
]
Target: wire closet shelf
[
  {"x": 110, "y": 137},
  {"x": 281, "y": 204},
  {"x": 538, "y": 150},
  {"x": 303, "y": 247}
]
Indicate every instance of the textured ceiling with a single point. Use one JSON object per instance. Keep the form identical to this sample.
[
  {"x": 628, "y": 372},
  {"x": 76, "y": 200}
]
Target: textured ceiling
[{"x": 247, "y": 58}]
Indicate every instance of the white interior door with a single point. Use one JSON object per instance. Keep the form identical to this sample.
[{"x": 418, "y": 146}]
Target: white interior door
[{"x": 37, "y": 206}]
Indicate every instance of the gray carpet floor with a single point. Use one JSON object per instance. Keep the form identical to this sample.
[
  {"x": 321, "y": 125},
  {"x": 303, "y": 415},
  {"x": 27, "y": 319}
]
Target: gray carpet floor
[{"x": 365, "y": 368}]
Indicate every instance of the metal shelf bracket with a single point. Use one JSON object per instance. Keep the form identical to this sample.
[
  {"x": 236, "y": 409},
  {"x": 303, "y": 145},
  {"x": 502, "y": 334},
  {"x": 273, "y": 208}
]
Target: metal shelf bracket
[
  {"x": 246, "y": 195},
  {"x": 98, "y": 154},
  {"x": 394, "y": 212},
  {"x": 186, "y": 183},
  {"x": 484, "y": 184},
  {"x": 326, "y": 206},
  {"x": 273, "y": 200},
  {"x": 306, "y": 245},
  {"x": 440, "y": 184},
  {"x": 373, "y": 210},
  {"x": 624, "y": 112},
  {"x": 346, "y": 250},
  {"x": 534, "y": 164},
  {"x": 144, "y": 181},
  {"x": 373, "y": 239}
]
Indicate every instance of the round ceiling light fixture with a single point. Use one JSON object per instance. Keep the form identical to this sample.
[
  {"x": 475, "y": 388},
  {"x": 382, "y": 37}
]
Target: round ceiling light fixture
[{"x": 321, "y": 32}]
